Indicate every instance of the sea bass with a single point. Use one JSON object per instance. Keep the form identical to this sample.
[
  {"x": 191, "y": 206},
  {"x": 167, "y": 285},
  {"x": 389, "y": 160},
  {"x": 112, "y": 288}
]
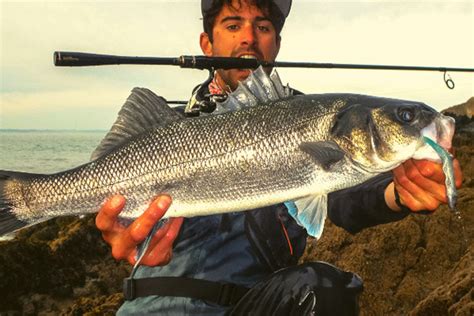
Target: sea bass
[{"x": 274, "y": 148}]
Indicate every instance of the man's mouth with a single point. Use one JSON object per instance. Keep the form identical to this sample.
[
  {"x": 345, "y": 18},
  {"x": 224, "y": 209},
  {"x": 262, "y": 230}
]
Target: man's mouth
[{"x": 247, "y": 56}]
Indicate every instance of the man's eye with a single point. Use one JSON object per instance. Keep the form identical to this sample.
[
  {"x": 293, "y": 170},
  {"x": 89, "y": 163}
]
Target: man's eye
[
  {"x": 233, "y": 27},
  {"x": 263, "y": 28}
]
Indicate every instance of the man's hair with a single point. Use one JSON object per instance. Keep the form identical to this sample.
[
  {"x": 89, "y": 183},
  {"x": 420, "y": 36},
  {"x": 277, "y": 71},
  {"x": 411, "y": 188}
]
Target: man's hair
[{"x": 272, "y": 11}]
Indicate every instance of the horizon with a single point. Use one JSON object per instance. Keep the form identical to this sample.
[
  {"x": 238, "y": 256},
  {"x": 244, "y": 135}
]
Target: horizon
[{"x": 50, "y": 130}]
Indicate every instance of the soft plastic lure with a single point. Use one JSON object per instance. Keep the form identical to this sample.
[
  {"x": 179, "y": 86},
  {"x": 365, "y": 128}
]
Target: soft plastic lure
[{"x": 448, "y": 170}]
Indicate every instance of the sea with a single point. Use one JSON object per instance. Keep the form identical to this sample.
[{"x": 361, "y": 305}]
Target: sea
[{"x": 46, "y": 151}]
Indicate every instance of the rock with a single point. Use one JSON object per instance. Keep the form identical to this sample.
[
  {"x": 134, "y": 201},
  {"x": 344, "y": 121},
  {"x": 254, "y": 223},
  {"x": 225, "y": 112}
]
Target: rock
[
  {"x": 463, "y": 109},
  {"x": 50, "y": 267}
]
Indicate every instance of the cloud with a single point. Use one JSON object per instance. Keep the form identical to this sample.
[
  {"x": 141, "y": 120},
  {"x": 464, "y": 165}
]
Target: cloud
[{"x": 403, "y": 32}]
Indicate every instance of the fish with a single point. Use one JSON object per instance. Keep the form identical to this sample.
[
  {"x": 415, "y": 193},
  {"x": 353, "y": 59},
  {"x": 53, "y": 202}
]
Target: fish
[{"x": 263, "y": 146}]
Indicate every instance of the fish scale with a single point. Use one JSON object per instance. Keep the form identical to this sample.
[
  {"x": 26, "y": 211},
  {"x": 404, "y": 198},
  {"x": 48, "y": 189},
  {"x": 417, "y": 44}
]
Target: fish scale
[{"x": 169, "y": 155}]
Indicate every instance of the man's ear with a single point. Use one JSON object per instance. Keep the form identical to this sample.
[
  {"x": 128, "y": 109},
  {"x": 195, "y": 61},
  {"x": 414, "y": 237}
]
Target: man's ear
[
  {"x": 278, "y": 42},
  {"x": 205, "y": 43}
]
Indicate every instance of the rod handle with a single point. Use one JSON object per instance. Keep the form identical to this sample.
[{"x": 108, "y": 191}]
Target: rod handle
[{"x": 83, "y": 59}]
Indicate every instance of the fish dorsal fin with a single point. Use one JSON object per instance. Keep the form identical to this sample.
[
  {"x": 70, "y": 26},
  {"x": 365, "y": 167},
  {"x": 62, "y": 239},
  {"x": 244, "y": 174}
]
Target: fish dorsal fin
[
  {"x": 257, "y": 88},
  {"x": 310, "y": 212},
  {"x": 324, "y": 153},
  {"x": 142, "y": 111}
]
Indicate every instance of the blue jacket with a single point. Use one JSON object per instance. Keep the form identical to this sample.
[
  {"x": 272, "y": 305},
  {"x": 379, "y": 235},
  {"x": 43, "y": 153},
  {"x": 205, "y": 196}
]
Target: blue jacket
[{"x": 223, "y": 247}]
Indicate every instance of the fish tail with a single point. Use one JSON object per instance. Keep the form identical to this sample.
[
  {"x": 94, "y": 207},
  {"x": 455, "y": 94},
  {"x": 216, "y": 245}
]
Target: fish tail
[{"x": 12, "y": 200}]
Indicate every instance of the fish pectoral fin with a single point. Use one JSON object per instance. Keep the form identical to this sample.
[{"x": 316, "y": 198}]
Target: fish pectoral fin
[
  {"x": 325, "y": 153},
  {"x": 142, "y": 111},
  {"x": 310, "y": 212}
]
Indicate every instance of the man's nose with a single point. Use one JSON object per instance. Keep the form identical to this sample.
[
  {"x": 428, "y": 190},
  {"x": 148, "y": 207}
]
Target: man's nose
[{"x": 248, "y": 36}]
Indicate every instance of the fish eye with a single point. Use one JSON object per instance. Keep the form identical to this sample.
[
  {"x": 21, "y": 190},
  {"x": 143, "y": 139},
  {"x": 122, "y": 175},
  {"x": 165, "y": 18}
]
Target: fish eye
[{"x": 406, "y": 115}]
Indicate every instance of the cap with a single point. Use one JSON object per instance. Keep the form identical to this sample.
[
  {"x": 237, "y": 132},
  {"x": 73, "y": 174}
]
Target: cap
[{"x": 283, "y": 5}]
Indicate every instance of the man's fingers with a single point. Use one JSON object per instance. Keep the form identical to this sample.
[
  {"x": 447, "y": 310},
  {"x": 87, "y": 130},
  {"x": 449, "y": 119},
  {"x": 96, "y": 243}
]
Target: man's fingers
[
  {"x": 157, "y": 257},
  {"x": 160, "y": 237},
  {"x": 429, "y": 169},
  {"x": 124, "y": 241},
  {"x": 434, "y": 171},
  {"x": 411, "y": 195},
  {"x": 407, "y": 199},
  {"x": 120, "y": 249},
  {"x": 422, "y": 185},
  {"x": 124, "y": 244},
  {"x": 159, "y": 252},
  {"x": 175, "y": 226},
  {"x": 165, "y": 237},
  {"x": 132, "y": 256},
  {"x": 142, "y": 226},
  {"x": 106, "y": 219}
]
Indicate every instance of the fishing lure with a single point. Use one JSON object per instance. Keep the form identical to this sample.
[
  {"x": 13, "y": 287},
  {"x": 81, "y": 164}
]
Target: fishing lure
[{"x": 448, "y": 170}]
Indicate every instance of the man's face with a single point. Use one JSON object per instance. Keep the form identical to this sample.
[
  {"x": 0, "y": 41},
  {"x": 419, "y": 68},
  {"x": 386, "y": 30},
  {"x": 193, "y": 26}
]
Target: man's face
[{"x": 240, "y": 30}]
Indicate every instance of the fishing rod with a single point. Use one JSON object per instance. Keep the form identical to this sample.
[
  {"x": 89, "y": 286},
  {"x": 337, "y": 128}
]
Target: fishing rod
[{"x": 74, "y": 59}]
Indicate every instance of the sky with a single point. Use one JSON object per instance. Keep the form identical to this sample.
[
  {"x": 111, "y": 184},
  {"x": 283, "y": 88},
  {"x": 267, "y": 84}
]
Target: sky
[{"x": 36, "y": 95}]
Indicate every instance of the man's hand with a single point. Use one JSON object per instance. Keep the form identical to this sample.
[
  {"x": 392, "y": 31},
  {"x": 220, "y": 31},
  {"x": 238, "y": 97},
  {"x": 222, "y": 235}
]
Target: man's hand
[
  {"x": 124, "y": 240},
  {"x": 420, "y": 185}
]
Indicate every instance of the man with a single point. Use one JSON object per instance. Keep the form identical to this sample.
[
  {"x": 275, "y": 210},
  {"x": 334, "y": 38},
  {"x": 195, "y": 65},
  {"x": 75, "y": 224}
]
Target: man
[{"x": 246, "y": 249}]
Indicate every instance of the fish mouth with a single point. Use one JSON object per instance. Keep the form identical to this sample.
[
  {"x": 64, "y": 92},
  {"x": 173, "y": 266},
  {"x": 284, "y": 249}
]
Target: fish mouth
[
  {"x": 441, "y": 131},
  {"x": 446, "y": 130}
]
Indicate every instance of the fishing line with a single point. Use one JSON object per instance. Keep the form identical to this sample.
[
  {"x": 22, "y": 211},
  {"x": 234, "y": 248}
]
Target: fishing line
[
  {"x": 143, "y": 247},
  {"x": 128, "y": 283}
]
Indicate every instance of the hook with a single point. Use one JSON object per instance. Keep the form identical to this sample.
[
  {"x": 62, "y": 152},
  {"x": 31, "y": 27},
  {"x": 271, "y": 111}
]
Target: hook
[{"x": 449, "y": 82}]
